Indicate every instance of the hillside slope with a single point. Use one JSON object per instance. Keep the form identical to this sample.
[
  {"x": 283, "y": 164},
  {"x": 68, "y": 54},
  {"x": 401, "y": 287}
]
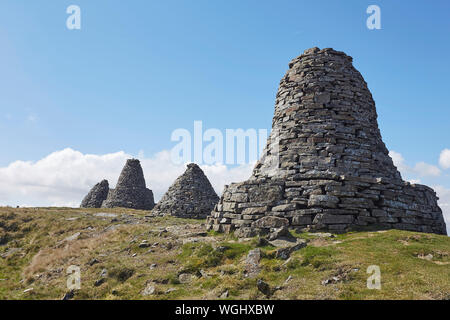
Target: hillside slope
[{"x": 127, "y": 254}]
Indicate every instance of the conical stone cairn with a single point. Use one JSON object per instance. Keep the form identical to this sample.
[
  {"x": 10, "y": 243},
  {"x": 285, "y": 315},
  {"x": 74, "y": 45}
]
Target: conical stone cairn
[
  {"x": 325, "y": 166},
  {"x": 96, "y": 196},
  {"x": 190, "y": 196},
  {"x": 131, "y": 191}
]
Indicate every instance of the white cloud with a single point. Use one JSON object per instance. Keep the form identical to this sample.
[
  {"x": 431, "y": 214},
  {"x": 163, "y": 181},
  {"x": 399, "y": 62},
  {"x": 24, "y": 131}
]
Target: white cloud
[
  {"x": 398, "y": 160},
  {"x": 421, "y": 169},
  {"x": 64, "y": 177},
  {"x": 424, "y": 169},
  {"x": 444, "y": 159}
]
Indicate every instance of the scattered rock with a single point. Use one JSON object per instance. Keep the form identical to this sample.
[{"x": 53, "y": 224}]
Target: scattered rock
[
  {"x": 168, "y": 246},
  {"x": 263, "y": 287},
  {"x": 286, "y": 248},
  {"x": 69, "y": 295},
  {"x": 331, "y": 280},
  {"x": 204, "y": 274},
  {"x": 246, "y": 232},
  {"x": 222, "y": 248},
  {"x": 170, "y": 290},
  {"x": 153, "y": 266},
  {"x": 149, "y": 290},
  {"x": 93, "y": 261},
  {"x": 99, "y": 282},
  {"x": 224, "y": 295},
  {"x": 262, "y": 242},
  {"x": 104, "y": 273},
  {"x": 342, "y": 274},
  {"x": 322, "y": 235},
  {"x": 161, "y": 233},
  {"x": 185, "y": 278},
  {"x": 288, "y": 280},
  {"x": 428, "y": 257},
  {"x": 252, "y": 267},
  {"x": 122, "y": 274},
  {"x": 105, "y": 215},
  {"x": 144, "y": 245},
  {"x": 28, "y": 290},
  {"x": 279, "y": 233},
  {"x": 10, "y": 252},
  {"x": 73, "y": 237}
]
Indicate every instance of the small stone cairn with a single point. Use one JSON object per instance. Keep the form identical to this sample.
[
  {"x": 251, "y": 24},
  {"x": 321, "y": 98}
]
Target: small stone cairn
[
  {"x": 96, "y": 196},
  {"x": 190, "y": 196},
  {"x": 130, "y": 192}
]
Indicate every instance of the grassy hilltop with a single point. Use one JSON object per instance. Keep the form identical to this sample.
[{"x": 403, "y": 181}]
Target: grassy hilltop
[{"x": 127, "y": 254}]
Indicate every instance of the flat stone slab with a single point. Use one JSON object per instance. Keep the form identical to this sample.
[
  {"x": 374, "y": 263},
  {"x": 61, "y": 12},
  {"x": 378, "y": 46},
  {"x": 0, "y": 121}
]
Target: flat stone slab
[
  {"x": 10, "y": 252},
  {"x": 73, "y": 237},
  {"x": 252, "y": 268},
  {"x": 106, "y": 215},
  {"x": 285, "y": 247}
]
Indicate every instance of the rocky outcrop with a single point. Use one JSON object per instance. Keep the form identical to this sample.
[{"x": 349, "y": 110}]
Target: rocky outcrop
[
  {"x": 130, "y": 191},
  {"x": 96, "y": 196},
  {"x": 325, "y": 165},
  {"x": 190, "y": 196}
]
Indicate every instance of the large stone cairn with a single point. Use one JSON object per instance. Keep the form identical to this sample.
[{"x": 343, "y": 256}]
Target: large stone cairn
[
  {"x": 130, "y": 191},
  {"x": 96, "y": 196},
  {"x": 325, "y": 166},
  {"x": 190, "y": 196}
]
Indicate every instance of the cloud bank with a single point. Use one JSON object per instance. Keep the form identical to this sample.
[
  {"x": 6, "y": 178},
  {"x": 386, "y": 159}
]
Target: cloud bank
[
  {"x": 421, "y": 169},
  {"x": 64, "y": 177},
  {"x": 444, "y": 159}
]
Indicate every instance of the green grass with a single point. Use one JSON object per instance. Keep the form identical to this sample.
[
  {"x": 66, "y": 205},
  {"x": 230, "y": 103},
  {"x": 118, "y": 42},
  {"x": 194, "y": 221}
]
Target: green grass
[{"x": 42, "y": 256}]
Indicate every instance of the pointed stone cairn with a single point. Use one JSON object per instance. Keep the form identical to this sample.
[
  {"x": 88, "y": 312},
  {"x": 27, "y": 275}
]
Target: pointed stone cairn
[
  {"x": 131, "y": 191},
  {"x": 96, "y": 196},
  {"x": 325, "y": 166},
  {"x": 190, "y": 196}
]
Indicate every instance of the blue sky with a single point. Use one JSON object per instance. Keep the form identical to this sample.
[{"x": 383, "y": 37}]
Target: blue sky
[{"x": 137, "y": 70}]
